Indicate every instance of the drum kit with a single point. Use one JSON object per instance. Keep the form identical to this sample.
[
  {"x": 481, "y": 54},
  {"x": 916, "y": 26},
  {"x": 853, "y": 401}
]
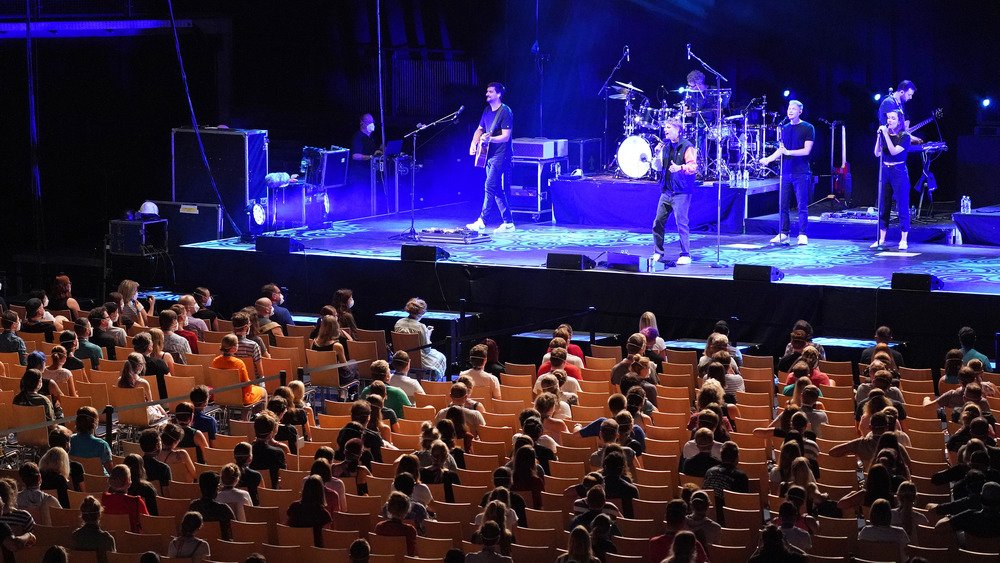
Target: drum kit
[{"x": 746, "y": 136}]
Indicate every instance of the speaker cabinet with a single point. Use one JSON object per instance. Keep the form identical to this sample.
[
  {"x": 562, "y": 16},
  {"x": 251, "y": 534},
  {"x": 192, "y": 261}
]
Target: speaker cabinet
[
  {"x": 138, "y": 238},
  {"x": 269, "y": 244},
  {"x": 422, "y": 253},
  {"x": 916, "y": 282},
  {"x": 750, "y": 272},
  {"x": 557, "y": 261}
]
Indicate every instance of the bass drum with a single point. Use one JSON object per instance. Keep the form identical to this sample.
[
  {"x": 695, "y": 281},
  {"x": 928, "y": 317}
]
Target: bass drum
[{"x": 635, "y": 157}]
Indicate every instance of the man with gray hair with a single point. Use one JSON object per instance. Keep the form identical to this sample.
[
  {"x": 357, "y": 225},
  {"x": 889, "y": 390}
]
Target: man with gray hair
[
  {"x": 196, "y": 325},
  {"x": 795, "y": 144}
]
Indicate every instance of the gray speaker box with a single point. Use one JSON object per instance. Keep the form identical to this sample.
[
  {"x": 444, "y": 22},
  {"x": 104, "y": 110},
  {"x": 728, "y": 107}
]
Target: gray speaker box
[
  {"x": 751, "y": 272},
  {"x": 557, "y": 261},
  {"x": 271, "y": 244}
]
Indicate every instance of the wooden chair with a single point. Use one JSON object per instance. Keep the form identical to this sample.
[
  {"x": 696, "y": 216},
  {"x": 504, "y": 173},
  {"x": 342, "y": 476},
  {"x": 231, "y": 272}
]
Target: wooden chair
[
  {"x": 613, "y": 352},
  {"x": 512, "y": 380},
  {"x": 689, "y": 357},
  {"x": 199, "y": 359},
  {"x": 376, "y": 336},
  {"x": 230, "y": 401},
  {"x": 879, "y": 550},
  {"x": 914, "y": 373},
  {"x": 366, "y": 352},
  {"x": 599, "y": 363},
  {"x": 180, "y": 386},
  {"x": 751, "y": 373},
  {"x": 839, "y": 368},
  {"x": 520, "y": 369},
  {"x": 736, "y": 518},
  {"x": 433, "y": 549},
  {"x": 299, "y": 537},
  {"x": 758, "y": 362}
]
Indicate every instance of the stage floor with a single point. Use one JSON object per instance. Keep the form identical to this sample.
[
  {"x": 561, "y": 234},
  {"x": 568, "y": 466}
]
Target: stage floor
[{"x": 836, "y": 263}]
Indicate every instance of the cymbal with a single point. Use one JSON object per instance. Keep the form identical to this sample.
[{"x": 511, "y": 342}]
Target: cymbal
[
  {"x": 733, "y": 117},
  {"x": 627, "y": 85},
  {"x": 619, "y": 97}
]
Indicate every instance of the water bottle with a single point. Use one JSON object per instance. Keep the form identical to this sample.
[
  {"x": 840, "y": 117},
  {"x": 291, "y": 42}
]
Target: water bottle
[
  {"x": 968, "y": 204},
  {"x": 965, "y": 205},
  {"x": 746, "y": 178}
]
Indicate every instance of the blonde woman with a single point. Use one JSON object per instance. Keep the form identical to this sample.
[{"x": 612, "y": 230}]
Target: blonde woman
[
  {"x": 648, "y": 320},
  {"x": 133, "y": 309},
  {"x": 157, "y": 337},
  {"x": 56, "y": 372},
  {"x": 432, "y": 359}
]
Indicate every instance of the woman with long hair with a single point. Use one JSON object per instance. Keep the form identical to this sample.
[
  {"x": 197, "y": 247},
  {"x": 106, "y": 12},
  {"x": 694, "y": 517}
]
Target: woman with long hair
[
  {"x": 457, "y": 417},
  {"x": 904, "y": 515},
  {"x": 138, "y": 485},
  {"x": 62, "y": 296},
  {"x": 431, "y": 359},
  {"x": 782, "y": 471},
  {"x": 890, "y": 148},
  {"x": 157, "y": 338},
  {"x": 54, "y": 467},
  {"x": 578, "y": 549},
  {"x": 130, "y": 378},
  {"x": 877, "y": 485},
  {"x": 310, "y": 511},
  {"x": 133, "y": 309},
  {"x": 351, "y": 467},
  {"x": 187, "y": 545},
  {"x": 343, "y": 302},
  {"x": 525, "y": 477},
  {"x": 409, "y": 463},
  {"x": 57, "y": 373},
  {"x": 180, "y": 462}
]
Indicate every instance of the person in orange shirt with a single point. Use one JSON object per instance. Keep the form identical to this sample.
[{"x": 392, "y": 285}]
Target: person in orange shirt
[{"x": 252, "y": 394}]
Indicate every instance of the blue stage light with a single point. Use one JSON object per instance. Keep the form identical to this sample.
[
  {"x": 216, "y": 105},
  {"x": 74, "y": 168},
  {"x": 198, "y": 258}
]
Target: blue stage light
[
  {"x": 986, "y": 102},
  {"x": 786, "y": 93},
  {"x": 878, "y": 97}
]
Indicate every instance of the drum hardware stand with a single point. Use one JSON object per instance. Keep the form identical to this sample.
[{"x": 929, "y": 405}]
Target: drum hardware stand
[
  {"x": 604, "y": 92},
  {"x": 411, "y": 233},
  {"x": 719, "y": 79}
]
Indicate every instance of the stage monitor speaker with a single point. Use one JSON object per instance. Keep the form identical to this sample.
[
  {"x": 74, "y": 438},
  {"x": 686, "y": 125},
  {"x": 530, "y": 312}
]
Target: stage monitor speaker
[
  {"x": 422, "y": 253},
  {"x": 273, "y": 244},
  {"x": 750, "y": 272},
  {"x": 916, "y": 282},
  {"x": 628, "y": 262},
  {"x": 137, "y": 238},
  {"x": 557, "y": 261}
]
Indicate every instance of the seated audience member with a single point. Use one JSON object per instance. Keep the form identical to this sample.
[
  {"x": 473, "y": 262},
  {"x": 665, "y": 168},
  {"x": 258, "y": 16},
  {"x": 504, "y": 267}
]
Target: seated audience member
[
  {"x": 881, "y": 378},
  {"x": 182, "y": 466},
  {"x": 267, "y": 328},
  {"x": 203, "y": 297},
  {"x": 698, "y": 464},
  {"x": 9, "y": 340},
  {"x": 194, "y": 323},
  {"x": 609, "y": 436},
  {"x": 502, "y": 479},
  {"x": 648, "y": 320},
  {"x": 788, "y": 514},
  {"x": 562, "y": 342},
  {"x": 433, "y": 360},
  {"x": 595, "y": 501},
  {"x": 400, "y": 378},
  {"x": 31, "y": 384},
  {"x": 774, "y": 548},
  {"x": 561, "y": 385},
  {"x": 250, "y": 479},
  {"x": 333, "y": 488},
  {"x": 904, "y": 515},
  {"x": 237, "y": 499},
  {"x": 202, "y": 422},
  {"x": 676, "y": 522},
  {"x": 187, "y": 545},
  {"x": 84, "y": 444},
  {"x": 793, "y": 351},
  {"x": 967, "y": 337},
  {"x": 57, "y": 373},
  {"x": 247, "y": 349},
  {"x": 811, "y": 357},
  {"x": 19, "y": 521},
  {"x": 280, "y": 314},
  {"x": 546, "y": 404},
  {"x": 557, "y": 359},
  {"x": 880, "y": 528},
  {"x": 707, "y": 531},
  {"x": 636, "y": 344},
  {"x": 310, "y": 511},
  {"x": 397, "y": 507},
  {"x": 139, "y": 486},
  {"x": 883, "y": 335},
  {"x": 473, "y": 418},
  {"x": 286, "y": 433},
  {"x": 405, "y": 483},
  {"x": 182, "y": 330},
  {"x": 33, "y": 499},
  {"x": 34, "y": 320},
  {"x": 727, "y": 476},
  {"x": 131, "y": 378},
  {"x": 193, "y": 438},
  {"x": 116, "y": 499},
  {"x": 493, "y": 364},
  {"x": 266, "y": 453},
  {"x": 617, "y": 485},
  {"x": 657, "y": 357},
  {"x": 864, "y": 448},
  {"x": 90, "y": 536},
  {"x": 133, "y": 310},
  {"x": 489, "y": 535},
  {"x": 156, "y": 471},
  {"x": 173, "y": 343},
  {"x": 578, "y": 548},
  {"x": 209, "y": 507},
  {"x": 343, "y": 302},
  {"x": 478, "y": 373},
  {"x": 87, "y": 350},
  {"x": 524, "y": 477},
  {"x": 351, "y": 466},
  {"x": 67, "y": 339},
  {"x": 395, "y": 398},
  {"x": 229, "y": 358},
  {"x": 101, "y": 335},
  {"x": 954, "y": 399}
]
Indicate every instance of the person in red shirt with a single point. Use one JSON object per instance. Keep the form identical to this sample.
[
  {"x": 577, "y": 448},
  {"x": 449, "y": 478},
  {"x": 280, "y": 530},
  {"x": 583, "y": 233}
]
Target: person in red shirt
[
  {"x": 811, "y": 357},
  {"x": 557, "y": 360},
  {"x": 659, "y": 547},
  {"x": 117, "y": 501},
  {"x": 182, "y": 319},
  {"x": 398, "y": 507},
  {"x": 565, "y": 331}
]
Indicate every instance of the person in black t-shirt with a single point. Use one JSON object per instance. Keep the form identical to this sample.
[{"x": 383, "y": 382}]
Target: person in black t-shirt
[
  {"x": 363, "y": 144},
  {"x": 678, "y": 160},
  {"x": 795, "y": 144},
  {"x": 265, "y": 453},
  {"x": 896, "y": 101},
  {"x": 890, "y": 147},
  {"x": 494, "y": 135}
]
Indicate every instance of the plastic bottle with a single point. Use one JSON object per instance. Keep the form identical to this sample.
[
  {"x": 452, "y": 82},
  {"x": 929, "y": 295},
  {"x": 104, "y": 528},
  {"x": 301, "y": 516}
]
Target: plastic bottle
[
  {"x": 965, "y": 205},
  {"x": 746, "y": 178}
]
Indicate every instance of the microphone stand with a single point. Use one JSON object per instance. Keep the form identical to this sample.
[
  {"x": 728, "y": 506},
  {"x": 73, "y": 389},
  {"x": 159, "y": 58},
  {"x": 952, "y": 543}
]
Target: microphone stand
[
  {"x": 604, "y": 92},
  {"x": 878, "y": 212},
  {"x": 719, "y": 79},
  {"x": 411, "y": 233}
]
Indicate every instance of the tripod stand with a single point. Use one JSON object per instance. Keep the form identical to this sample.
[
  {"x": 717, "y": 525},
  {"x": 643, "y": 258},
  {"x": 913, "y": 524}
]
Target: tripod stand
[{"x": 411, "y": 233}]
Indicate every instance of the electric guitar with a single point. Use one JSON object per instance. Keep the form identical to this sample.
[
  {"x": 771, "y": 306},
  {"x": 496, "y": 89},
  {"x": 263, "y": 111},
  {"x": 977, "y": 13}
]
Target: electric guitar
[
  {"x": 936, "y": 114},
  {"x": 842, "y": 176}
]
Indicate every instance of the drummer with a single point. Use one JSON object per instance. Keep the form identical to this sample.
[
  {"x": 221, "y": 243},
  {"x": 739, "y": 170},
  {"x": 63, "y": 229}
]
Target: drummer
[
  {"x": 696, "y": 93},
  {"x": 678, "y": 159}
]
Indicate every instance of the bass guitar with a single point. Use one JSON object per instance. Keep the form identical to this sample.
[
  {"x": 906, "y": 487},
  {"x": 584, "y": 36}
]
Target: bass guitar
[
  {"x": 842, "y": 176},
  {"x": 936, "y": 114}
]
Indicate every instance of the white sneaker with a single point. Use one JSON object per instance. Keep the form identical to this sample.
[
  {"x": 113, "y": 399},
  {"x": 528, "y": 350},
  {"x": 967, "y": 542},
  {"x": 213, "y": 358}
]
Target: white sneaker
[
  {"x": 803, "y": 240},
  {"x": 683, "y": 259},
  {"x": 903, "y": 245},
  {"x": 504, "y": 228},
  {"x": 476, "y": 225},
  {"x": 656, "y": 256},
  {"x": 876, "y": 244},
  {"x": 780, "y": 239}
]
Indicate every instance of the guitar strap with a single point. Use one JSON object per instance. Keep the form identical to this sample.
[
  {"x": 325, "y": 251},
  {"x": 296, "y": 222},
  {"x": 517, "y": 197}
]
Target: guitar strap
[{"x": 496, "y": 119}]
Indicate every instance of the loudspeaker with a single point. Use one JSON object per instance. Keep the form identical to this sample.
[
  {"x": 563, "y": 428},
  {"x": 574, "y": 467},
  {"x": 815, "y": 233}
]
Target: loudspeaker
[
  {"x": 270, "y": 244},
  {"x": 749, "y": 272},
  {"x": 916, "y": 282},
  {"x": 628, "y": 262},
  {"x": 422, "y": 253},
  {"x": 137, "y": 238},
  {"x": 191, "y": 222},
  {"x": 559, "y": 261}
]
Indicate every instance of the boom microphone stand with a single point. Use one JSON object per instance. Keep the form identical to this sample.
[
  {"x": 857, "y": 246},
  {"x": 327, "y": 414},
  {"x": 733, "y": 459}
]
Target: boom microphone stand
[
  {"x": 604, "y": 92},
  {"x": 719, "y": 79},
  {"x": 411, "y": 233}
]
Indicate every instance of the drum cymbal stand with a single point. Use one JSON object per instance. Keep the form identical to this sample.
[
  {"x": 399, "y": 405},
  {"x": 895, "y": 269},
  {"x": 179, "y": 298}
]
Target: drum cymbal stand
[
  {"x": 719, "y": 79},
  {"x": 604, "y": 92}
]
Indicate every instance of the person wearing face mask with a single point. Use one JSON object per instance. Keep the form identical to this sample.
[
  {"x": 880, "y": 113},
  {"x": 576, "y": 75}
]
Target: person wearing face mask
[
  {"x": 100, "y": 323},
  {"x": 343, "y": 302},
  {"x": 203, "y": 298},
  {"x": 116, "y": 332},
  {"x": 194, "y": 324},
  {"x": 363, "y": 144},
  {"x": 281, "y": 315},
  {"x": 247, "y": 350},
  {"x": 265, "y": 325}
]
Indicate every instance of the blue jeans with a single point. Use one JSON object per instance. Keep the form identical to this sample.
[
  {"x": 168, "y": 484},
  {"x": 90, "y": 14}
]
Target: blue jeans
[
  {"x": 895, "y": 182},
  {"x": 497, "y": 187},
  {"x": 801, "y": 184},
  {"x": 679, "y": 205}
]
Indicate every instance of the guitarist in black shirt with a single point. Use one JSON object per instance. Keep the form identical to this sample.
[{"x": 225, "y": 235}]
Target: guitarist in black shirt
[{"x": 492, "y": 148}]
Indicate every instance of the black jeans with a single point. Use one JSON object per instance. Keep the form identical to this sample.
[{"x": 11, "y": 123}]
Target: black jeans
[
  {"x": 895, "y": 182},
  {"x": 497, "y": 187},
  {"x": 801, "y": 184}
]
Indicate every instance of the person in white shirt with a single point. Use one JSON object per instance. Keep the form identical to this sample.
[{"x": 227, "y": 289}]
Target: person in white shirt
[
  {"x": 399, "y": 378},
  {"x": 477, "y": 358},
  {"x": 176, "y": 345},
  {"x": 549, "y": 383},
  {"x": 32, "y": 499},
  {"x": 237, "y": 499},
  {"x": 473, "y": 419}
]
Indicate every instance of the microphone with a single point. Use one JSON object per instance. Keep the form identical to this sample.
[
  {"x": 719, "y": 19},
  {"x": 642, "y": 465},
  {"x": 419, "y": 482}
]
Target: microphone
[
  {"x": 689, "y": 51},
  {"x": 628, "y": 57},
  {"x": 783, "y": 122},
  {"x": 459, "y": 112}
]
